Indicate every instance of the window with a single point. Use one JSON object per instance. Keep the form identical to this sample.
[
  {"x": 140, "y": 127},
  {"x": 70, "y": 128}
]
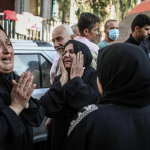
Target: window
[
  {"x": 45, "y": 68},
  {"x": 37, "y": 65}
]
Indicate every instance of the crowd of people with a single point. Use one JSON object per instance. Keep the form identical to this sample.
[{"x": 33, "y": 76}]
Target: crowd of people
[{"x": 99, "y": 97}]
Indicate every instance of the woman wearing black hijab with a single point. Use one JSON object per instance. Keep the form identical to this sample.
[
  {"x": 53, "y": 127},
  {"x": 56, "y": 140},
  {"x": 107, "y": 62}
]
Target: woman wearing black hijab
[
  {"x": 121, "y": 119},
  {"x": 75, "y": 88},
  {"x": 18, "y": 112}
]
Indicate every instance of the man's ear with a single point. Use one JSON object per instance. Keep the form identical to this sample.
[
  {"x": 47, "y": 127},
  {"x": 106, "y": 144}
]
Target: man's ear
[
  {"x": 136, "y": 29},
  {"x": 72, "y": 37},
  {"x": 85, "y": 31},
  {"x": 105, "y": 31}
]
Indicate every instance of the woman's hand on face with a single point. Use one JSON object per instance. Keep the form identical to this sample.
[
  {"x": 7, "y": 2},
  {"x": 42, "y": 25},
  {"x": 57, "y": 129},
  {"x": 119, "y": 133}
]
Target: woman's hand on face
[
  {"x": 21, "y": 92},
  {"x": 64, "y": 73},
  {"x": 77, "y": 68}
]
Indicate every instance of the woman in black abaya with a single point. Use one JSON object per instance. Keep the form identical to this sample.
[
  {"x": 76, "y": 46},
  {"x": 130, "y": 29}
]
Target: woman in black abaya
[
  {"x": 18, "y": 112},
  {"x": 75, "y": 88},
  {"x": 121, "y": 119}
]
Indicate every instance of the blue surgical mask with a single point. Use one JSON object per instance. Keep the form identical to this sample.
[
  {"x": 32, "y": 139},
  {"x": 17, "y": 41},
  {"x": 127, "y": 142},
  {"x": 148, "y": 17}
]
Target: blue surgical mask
[{"x": 113, "y": 34}]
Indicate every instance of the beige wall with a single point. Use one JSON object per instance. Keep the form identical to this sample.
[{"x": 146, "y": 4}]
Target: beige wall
[{"x": 30, "y": 6}]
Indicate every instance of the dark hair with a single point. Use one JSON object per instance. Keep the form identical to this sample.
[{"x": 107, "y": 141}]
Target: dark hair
[
  {"x": 140, "y": 20},
  {"x": 87, "y": 21},
  {"x": 105, "y": 26}
]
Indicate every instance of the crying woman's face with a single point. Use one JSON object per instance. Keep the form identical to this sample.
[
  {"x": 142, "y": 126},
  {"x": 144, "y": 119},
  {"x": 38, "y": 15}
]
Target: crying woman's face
[{"x": 6, "y": 54}]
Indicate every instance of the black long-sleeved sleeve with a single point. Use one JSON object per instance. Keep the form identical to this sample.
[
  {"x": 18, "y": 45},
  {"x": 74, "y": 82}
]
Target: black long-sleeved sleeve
[
  {"x": 14, "y": 130},
  {"x": 53, "y": 101},
  {"x": 74, "y": 93},
  {"x": 79, "y": 94},
  {"x": 34, "y": 115}
]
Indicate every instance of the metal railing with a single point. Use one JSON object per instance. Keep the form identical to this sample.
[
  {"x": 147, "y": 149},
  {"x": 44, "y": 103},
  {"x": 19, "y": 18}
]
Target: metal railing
[{"x": 45, "y": 33}]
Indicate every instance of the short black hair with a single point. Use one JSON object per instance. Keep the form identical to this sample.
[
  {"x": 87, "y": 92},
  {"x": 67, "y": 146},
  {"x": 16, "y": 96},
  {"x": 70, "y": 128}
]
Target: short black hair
[
  {"x": 87, "y": 21},
  {"x": 140, "y": 20}
]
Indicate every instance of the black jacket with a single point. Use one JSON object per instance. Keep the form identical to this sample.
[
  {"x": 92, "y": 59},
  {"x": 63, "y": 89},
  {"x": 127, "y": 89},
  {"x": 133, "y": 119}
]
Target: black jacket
[
  {"x": 110, "y": 127},
  {"x": 62, "y": 103},
  {"x": 147, "y": 42},
  {"x": 140, "y": 44}
]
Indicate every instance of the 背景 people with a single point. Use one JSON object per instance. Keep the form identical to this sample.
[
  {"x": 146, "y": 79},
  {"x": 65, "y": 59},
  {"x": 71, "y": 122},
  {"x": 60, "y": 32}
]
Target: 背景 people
[
  {"x": 60, "y": 36},
  {"x": 111, "y": 30},
  {"x": 140, "y": 31},
  {"x": 88, "y": 27},
  {"x": 75, "y": 30}
]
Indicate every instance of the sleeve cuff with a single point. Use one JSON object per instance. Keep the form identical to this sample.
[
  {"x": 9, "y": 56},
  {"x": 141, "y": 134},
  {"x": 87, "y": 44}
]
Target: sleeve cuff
[
  {"x": 73, "y": 85},
  {"x": 30, "y": 113}
]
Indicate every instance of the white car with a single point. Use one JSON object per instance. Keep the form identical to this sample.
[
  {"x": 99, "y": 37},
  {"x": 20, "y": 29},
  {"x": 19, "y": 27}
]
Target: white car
[{"x": 36, "y": 57}]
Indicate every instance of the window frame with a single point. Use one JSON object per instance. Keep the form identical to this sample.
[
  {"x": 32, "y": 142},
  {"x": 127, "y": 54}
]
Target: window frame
[{"x": 39, "y": 64}]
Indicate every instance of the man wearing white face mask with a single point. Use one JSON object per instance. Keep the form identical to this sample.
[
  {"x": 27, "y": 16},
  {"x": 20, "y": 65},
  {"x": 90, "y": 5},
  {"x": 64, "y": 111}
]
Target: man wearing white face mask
[{"x": 111, "y": 33}]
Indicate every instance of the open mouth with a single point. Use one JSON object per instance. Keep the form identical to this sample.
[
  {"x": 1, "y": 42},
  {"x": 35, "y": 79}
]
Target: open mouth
[
  {"x": 8, "y": 59},
  {"x": 67, "y": 61}
]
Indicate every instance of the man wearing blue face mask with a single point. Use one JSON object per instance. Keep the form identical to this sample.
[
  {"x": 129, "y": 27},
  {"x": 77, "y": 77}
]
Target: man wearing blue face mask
[{"x": 111, "y": 33}]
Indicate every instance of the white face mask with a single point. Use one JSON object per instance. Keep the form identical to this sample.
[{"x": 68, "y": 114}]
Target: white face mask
[{"x": 113, "y": 34}]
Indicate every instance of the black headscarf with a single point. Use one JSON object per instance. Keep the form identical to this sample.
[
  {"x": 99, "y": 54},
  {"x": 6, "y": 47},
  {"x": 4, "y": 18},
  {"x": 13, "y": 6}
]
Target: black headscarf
[
  {"x": 124, "y": 73},
  {"x": 78, "y": 46}
]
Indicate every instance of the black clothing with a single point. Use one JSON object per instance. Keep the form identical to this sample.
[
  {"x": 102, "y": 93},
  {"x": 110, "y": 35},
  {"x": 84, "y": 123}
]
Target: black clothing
[
  {"x": 111, "y": 127},
  {"x": 121, "y": 119},
  {"x": 140, "y": 44},
  {"x": 16, "y": 132},
  {"x": 124, "y": 76},
  {"x": 62, "y": 103},
  {"x": 147, "y": 42}
]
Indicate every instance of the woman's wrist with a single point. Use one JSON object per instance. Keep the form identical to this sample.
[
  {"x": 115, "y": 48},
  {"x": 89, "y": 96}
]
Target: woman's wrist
[
  {"x": 16, "y": 108},
  {"x": 63, "y": 80}
]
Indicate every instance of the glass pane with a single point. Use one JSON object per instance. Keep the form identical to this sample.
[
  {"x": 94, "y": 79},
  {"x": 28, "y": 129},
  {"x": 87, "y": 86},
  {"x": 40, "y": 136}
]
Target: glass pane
[
  {"x": 45, "y": 67},
  {"x": 26, "y": 63}
]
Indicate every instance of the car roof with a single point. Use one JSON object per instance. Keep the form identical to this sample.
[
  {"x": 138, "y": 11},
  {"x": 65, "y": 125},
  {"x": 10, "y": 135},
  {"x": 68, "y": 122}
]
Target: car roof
[{"x": 30, "y": 44}]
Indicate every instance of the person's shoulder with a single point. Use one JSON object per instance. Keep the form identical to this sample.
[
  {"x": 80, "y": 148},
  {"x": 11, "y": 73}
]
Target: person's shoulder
[
  {"x": 102, "y": 44},
  {"x": 83, "y": 112},
  {"x": 93, "y": 47}
]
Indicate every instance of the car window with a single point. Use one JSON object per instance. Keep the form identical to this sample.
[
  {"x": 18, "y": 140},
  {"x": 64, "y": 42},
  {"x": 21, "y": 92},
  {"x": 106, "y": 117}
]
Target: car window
[
  {"x": 37, "y": 65},
  {"x": 45, "y": 68}
]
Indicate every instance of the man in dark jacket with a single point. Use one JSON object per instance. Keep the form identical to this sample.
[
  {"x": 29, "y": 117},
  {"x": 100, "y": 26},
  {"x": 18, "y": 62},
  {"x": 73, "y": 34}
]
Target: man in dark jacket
[
  {"x": 140, "y": 31},
  {"x": 147, "y": 42}
]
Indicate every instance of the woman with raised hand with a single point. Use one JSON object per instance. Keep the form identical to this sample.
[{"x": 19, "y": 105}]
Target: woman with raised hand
[
  {"x": 121, "y": 120},
  {"x": 75, "y": 88},
  {"x": 18, "y": 111}
]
